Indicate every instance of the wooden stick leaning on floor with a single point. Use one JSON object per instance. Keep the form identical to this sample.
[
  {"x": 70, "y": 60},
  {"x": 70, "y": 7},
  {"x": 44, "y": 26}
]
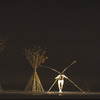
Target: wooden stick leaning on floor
[{"x": 63, "y": 72}]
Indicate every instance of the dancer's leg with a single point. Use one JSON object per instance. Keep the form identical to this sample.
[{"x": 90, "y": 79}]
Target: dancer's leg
[{"x": 61, "y": 84}]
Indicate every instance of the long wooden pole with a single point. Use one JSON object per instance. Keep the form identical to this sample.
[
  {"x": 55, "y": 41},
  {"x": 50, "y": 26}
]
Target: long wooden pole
[
  {"x": 52, "y": 85},
  {"x": 76, "y": 85}
]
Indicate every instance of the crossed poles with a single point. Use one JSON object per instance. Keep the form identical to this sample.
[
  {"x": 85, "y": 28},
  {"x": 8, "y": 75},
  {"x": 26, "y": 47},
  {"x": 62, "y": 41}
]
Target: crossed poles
[{"x": 60, "y": 73}]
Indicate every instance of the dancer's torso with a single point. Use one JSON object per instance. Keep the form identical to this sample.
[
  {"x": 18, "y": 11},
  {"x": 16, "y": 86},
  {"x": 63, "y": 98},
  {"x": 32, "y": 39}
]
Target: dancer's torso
[{"x": 61, "y": 77}]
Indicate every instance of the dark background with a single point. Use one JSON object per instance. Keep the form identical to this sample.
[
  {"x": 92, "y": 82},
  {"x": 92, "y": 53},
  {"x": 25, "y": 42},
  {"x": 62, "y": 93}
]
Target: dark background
[{"x": 69, "y": 30}]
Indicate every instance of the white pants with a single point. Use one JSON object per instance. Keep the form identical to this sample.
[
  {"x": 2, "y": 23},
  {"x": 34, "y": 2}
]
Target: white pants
[{"x": 60, "y": 85}]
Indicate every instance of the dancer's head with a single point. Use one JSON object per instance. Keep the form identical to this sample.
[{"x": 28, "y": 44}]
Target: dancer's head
[{"x": 61, "y": 73}]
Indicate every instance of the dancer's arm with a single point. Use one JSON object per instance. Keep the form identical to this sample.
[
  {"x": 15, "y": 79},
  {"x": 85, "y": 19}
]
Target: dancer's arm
[
  {"x": 66, "y": 77},
  {"x": 57, "y": 77}
]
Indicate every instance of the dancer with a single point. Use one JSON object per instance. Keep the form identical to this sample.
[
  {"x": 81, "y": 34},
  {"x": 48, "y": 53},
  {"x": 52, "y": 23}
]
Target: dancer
[{"x": 60, "y": 79}]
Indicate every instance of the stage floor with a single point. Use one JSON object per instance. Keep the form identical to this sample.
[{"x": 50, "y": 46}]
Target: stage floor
[{"x": 48, "y": 95}]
